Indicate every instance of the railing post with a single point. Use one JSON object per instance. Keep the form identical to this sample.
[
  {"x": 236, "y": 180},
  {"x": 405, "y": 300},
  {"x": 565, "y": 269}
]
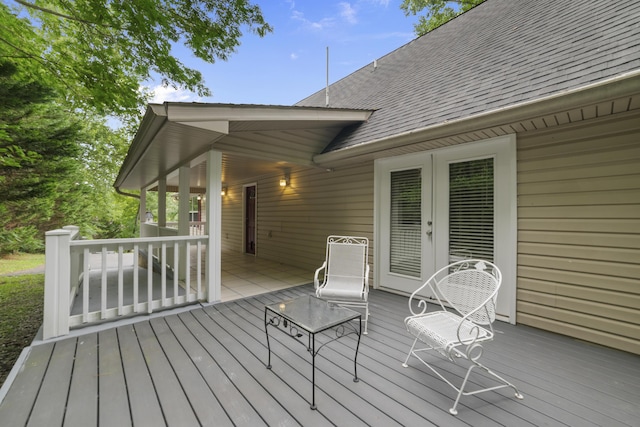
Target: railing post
[
  {"x": 77, "y": 261},
  {"x": 56, "y": 283}
]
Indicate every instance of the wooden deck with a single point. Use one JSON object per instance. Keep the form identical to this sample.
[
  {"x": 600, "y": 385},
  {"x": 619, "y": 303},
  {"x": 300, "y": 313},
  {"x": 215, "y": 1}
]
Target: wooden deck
[{"x": 206, "y": 366}]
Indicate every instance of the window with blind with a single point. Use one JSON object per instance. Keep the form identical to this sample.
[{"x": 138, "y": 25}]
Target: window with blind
[
  {"x": 406, "y": 222},
  {"x": 471, "y": 210}
]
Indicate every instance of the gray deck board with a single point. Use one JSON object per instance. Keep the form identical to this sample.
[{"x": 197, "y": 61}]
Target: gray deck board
[
  {"x": 220, "y": 397},
  {"x": 145, "y": 407},
  {"x": 175, "y": 405},
  {"x": 196, "y": 389},
  {"x": 83, "y": 392},
  {"x": 50, "y": 403},
  {"x": 239, "y": 366},
  {"x": 113, "y": 405},
  {"x": 16, "y": 406},
  {"x": 207, "y": 366}
]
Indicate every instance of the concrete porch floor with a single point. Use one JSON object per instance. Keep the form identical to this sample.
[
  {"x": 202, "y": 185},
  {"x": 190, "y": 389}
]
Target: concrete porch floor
[{"x": 245, "y": 275}]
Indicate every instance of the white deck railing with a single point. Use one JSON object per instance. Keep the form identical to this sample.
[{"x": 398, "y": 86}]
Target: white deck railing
[
  {"x": 196, "y": 228},
  {"x": 90, "y": 281}
]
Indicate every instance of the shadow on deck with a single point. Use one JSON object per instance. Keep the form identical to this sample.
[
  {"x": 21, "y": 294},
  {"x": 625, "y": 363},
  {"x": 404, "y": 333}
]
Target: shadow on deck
[{"x": 206, "y": 366}]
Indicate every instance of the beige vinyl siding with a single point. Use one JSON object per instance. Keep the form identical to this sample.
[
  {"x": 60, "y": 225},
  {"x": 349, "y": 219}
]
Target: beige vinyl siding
[
  {"x": 232, "y": 220},
  {"x": 579, "y": 231},
  {"x": 293, "y": 223}
]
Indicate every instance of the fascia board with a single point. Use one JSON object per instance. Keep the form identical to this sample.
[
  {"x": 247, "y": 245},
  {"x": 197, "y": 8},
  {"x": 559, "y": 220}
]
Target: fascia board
[
  {"x": 186, "y": 113},
  {"x": 153, "y": 120}
]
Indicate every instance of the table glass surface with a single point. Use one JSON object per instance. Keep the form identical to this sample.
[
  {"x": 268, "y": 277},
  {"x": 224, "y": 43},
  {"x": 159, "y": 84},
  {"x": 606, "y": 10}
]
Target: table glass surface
[{"x": 312, "y": 314}]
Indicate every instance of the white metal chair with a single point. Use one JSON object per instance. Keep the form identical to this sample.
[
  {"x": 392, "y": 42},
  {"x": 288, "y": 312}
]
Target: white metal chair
[
  {"x": 466, "y": 292},
  {"x": 346, "y": 273}
]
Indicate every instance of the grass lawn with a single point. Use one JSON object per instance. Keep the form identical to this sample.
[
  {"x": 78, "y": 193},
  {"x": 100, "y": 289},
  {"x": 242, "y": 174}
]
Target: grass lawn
[
  {"x": 21, "y": 305},
  {"x": 19, "y": 262}
]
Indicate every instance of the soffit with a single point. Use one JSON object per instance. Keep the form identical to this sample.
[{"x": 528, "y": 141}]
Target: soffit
[{"x": 254, "y": 140}]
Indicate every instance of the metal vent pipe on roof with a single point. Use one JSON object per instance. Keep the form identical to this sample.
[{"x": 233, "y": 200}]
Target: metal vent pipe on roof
[{"x": 326, "y": 92}]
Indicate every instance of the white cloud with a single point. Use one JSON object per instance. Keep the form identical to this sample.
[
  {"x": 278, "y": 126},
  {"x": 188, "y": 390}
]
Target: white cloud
[
  {"x": 293, "y": 56},
  {"x": 348, "y": 12},
  {"x": 162, "y": 94},
  {"x": 311, "y": 25},
  {"x": 384, "y": 3}
]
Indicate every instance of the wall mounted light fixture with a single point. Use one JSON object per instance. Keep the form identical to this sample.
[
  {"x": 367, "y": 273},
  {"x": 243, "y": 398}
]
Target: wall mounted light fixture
[
  {"x": 223, "y": 192},
  {"x": 284, "y": 181}
]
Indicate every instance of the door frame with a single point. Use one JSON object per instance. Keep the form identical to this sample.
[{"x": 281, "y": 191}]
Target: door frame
[
  {"x": 244, "y": 218},
  {"x": 503, "y": 149}
]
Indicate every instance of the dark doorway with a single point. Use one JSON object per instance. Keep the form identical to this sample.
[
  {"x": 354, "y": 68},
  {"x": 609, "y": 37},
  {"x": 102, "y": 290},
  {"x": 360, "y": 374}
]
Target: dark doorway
[{"x": 250, "y": 219}]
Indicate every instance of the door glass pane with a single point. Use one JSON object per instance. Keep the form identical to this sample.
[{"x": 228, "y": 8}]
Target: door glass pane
[
  {"x": 406, "y": 222},
  {"x": 471, "y": 210}
]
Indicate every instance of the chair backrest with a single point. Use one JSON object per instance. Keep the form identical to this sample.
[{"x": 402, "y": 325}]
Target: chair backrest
[
  {"x": 346, "y": 258},
  {"x": 468, "y": 286}
]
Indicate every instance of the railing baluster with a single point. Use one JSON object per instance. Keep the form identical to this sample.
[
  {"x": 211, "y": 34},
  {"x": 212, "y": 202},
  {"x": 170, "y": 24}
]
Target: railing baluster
[
  {"x": 199, "y": 270},
  {"x": 120, "y": 280},
  {"x": 176, "y": 270},
  {"x": 135, "y": 278},
  {"x": 163, "y": 275},
  {"x": 150, "y": 278},
  {"x": 198, "y": 288},
  {"x": 86, "y": 275},
  {"x": 103, "y": 284},
  {"x": 187, "y": 277}
]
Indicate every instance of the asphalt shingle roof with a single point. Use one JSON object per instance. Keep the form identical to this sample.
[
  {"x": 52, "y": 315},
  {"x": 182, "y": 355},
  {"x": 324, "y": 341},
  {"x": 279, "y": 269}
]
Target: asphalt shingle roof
[{"x": 501, "y": 53}]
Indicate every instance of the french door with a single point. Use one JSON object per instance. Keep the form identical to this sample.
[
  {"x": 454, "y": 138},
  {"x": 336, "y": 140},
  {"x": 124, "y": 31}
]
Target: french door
[
  {"x": 405, "y": 221},
  {"x": 441, "y": 206}
]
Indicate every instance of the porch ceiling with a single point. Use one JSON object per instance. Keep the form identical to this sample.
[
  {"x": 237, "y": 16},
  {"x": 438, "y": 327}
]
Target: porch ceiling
[{"x": 254, "y": 139}]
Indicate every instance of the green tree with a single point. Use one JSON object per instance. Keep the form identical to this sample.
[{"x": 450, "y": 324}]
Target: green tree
[
  {"x": 55, "y": 168},
  {"x": 96, "y": 53},
  {"x": 35, "y": 147},
  {"x": 438, "y": 12}
]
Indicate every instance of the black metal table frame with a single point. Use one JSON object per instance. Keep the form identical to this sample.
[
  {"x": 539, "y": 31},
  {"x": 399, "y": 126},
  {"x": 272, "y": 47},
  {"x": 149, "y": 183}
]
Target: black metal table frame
[{"x": 293, "y": 328}]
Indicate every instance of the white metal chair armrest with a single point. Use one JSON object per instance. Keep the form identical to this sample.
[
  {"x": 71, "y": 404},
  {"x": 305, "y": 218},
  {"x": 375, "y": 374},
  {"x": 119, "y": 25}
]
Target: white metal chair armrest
[{"x": 316, "y": 276}]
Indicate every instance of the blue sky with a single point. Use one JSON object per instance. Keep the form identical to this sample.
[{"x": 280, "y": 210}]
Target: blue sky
[{"x": 289, "y": 64}]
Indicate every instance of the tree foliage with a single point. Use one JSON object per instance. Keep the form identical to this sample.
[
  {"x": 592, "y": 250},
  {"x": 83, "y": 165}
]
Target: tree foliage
[
  {"x": 438, "y": 12},
  {"x": 96, "y": 53},
  {"x": 55, "y": 168}
]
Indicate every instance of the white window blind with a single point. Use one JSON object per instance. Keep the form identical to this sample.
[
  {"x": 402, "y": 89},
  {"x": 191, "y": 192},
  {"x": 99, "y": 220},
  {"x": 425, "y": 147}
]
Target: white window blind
[
  {"x": 406, "y": 222},
  {"x": 471, "y": 210}
]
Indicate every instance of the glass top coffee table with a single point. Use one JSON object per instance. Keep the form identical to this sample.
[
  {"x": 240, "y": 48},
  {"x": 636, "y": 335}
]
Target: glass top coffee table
[{"x": 309, "y": 316}]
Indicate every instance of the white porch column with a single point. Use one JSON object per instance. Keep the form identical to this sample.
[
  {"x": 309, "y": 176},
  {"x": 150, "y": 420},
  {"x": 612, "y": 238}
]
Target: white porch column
[
  {"x": 143, "y": 206},
  {"x": 143, "y": 212},
  {"x": 184, "y": 200},
  {"x": 214, "y": 219},
  {"x": 184, "y": 181},
  {"x": 57, "y": 284},
  {"x": 162, "y": 202}
]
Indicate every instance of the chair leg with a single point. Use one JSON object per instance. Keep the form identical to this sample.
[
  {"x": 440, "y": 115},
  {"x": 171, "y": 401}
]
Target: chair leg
[
  {"x": 366, "y": 318},
  {"x": 410, "y": 352},
  {"x": 461, "y": 392},
  {"x": 453, "y": 409}
]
